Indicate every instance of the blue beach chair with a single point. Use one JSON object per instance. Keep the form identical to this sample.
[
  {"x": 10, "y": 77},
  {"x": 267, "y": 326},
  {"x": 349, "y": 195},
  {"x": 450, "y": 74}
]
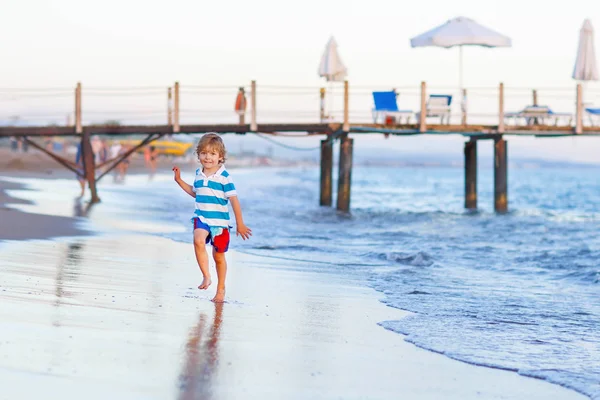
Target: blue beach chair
[
  {"x": 438, "y": 105},
  {"x": 386, "y": 105},
  {"x": 593, "y": 114}
]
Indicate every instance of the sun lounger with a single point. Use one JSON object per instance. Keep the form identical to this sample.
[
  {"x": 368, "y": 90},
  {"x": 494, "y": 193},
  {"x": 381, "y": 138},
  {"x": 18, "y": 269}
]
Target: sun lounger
[
  {"x": 534, "y": 115},
  {"x": 438, "y": 105},
  {"x": 386, "y": 106},
  {"x": 593, "y": 115}
]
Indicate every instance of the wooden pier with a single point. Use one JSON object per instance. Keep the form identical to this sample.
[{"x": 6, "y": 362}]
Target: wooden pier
[{"x": 332, "y": 131}]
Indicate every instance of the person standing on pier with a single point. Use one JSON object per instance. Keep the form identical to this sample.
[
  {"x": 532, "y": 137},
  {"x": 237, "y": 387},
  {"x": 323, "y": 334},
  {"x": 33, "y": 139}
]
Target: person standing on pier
[{"x": 213, "y": 189}]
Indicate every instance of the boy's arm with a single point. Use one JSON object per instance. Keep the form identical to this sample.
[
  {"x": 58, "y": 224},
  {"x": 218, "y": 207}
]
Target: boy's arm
[
  {"x": 186, "y": 188},
  {"x": 241, "y": 229}
]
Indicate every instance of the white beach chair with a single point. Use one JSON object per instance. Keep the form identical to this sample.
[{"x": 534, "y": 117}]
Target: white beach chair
[
  {"x": 438, "y": 105},
  {"x": 533, "y": 115}
]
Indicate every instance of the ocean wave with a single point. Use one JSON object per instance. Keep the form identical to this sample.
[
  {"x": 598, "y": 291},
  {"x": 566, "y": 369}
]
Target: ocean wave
[{"x": 419, "y": 259}]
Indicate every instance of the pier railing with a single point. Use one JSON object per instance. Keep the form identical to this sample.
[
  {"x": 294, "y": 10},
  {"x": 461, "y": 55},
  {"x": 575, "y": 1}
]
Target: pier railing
[{"x": 205, "y": 104}]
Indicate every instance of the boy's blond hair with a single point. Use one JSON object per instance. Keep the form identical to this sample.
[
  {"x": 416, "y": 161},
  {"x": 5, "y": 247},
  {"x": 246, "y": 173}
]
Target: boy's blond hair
[{"x": 214, "y": 142}]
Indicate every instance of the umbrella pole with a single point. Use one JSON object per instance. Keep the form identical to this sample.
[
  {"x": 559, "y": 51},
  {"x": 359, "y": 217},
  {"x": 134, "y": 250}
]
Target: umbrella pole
[
  {"x": 460, "y": 67},
  {"x": 461, "y": 92},
  {"x": 330, "y": 113}
]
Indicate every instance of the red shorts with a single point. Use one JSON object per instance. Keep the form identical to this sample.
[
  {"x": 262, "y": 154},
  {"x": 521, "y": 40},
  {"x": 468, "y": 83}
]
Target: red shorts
[{"x": 220, "y": 242}]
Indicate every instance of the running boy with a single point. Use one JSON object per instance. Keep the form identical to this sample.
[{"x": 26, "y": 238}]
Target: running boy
[{"x": 213, "y": 189}]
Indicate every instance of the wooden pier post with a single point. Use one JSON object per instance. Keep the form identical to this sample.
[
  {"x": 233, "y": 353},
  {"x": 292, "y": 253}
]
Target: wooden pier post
[
  {"x": 579, "y": 111},
  {"x": 345, "y": 174},
  {"x": 501, "y": 108},
  {"x": 423, "y": 114},
  {"x": 169, "y": 107},
  {"x": 535, "y": 99},
  {"x": 322, "y": 105},
  {"x": 78, "y": 123},
  {"x": 500, "y": 176},
  {"x": 464, "y": 107},
  {"x": 326, "y": 171},
  {"x": 176, "y": 109},
  {"x": 89, "y": 166},
  {"x": 253, "y": 125},
  {"x": 471, "y": 174},
  {"x": 346, "y": 126}
]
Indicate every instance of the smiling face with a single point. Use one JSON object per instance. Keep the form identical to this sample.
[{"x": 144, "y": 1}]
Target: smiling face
[{"x": 210, "y": 158}]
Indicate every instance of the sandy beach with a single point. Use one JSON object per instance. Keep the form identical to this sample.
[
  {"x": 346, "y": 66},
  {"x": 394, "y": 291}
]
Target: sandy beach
[{"x": 110, "y": 312}]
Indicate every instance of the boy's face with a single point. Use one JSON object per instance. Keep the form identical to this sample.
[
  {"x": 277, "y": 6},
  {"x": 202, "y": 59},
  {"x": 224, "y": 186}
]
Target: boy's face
[{"x": 209, "y": 157}]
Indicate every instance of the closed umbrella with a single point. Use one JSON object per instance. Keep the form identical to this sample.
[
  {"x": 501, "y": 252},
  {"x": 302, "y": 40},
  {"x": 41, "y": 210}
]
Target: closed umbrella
[
  {"x": 331, "y": 67},
  {"x": 585, "y": 64}
]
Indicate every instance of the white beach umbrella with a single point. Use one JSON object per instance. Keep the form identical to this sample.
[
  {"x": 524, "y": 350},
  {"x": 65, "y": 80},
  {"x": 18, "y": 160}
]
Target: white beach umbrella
[
  {"x": 461, "y": 32},
  {"x": 585, "y": 65},
  {"x": 332, "y": 68}
]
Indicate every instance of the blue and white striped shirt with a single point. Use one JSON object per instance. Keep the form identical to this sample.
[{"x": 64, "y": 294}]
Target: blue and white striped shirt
[{"x": 212, "y": 197}]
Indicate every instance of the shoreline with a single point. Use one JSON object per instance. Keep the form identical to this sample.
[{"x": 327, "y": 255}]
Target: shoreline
[
  {"x": 284, "y": 333},
  {"x": 19, "y": 225}
]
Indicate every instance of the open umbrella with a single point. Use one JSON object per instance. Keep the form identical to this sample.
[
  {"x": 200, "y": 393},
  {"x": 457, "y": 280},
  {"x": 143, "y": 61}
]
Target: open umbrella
[
  {"x": 331, "y": 67},
  {"x": 461, "y": 32},
  {"x": 585, "y": 65}
]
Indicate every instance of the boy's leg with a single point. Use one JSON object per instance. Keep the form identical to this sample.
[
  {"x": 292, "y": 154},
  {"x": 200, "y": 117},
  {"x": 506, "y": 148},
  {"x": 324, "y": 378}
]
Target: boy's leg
[
  {"x": 221, "y": 266},
  {"x": 82, "y": 185},
  {"x": 202, "y": 256}
]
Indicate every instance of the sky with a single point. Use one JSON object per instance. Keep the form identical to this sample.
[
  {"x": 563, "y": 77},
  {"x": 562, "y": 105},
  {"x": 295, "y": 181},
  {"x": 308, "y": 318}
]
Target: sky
[{"x": 226, "y": 44}]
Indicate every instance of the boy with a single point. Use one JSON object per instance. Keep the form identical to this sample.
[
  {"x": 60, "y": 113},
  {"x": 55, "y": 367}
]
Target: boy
[{"x": 213, "y": 189}]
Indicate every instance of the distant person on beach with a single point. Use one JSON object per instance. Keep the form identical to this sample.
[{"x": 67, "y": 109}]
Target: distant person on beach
[
  {"x": 14, "y": 144},
  {"x": 80, "y": 169},
  {"x": 123, "y": 165},
  {"x": 213, "y": 189},
  {"x": 153, "y": 156}
]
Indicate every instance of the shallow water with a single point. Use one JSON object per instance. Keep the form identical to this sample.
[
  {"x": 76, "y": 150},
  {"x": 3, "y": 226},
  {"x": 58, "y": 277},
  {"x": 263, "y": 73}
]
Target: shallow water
[{"x": 518, "y": 291}]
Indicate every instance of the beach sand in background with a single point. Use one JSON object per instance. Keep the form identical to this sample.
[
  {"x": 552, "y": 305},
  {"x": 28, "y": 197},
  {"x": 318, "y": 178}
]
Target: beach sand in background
[{"x": 118, "y": 315}]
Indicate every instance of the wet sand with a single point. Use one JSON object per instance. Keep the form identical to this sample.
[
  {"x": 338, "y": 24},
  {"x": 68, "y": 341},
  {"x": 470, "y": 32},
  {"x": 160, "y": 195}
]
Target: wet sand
[
  {"x": 18, "y": 225},
  {"x": 118, "y": 316}
]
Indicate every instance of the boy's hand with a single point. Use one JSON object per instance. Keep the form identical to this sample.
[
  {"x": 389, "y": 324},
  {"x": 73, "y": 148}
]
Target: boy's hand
[
  {"x": 177, "y": 173},
  {"x": 243, "y": 231}
]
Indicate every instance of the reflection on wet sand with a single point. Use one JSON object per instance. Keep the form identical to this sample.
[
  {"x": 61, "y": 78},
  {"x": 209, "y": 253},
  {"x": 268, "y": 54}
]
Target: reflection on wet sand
[
  {"x": 201, "y": 357},
  {"x": 68, "y": 271},
  {"x": 81, "y": 208}
]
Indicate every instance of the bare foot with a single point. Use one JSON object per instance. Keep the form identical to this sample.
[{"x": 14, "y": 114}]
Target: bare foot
[
  {"x": 219, "y": 297},
  {"x": 205, "y": 283}
]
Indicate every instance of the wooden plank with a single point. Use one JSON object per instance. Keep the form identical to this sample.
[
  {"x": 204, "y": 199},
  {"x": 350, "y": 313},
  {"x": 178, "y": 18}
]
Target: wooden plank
[
  {"x": 344, "y": 174},
  {"x": 253, "y": 123},
  {"x": 88, "y": 165},
  {"x": 501, "y": 127},
  {"x": 471, "y": 174},
  {"x": 176, "y": 109},
  {"x": 62, "y": 161},
  {"x": 311, "y": 129},
  {"x": 346, "y": 126},
  {"x": 78, "y": 120},
  {"x": 500, "y": 176},
  {"x": 147, "y": 129}
]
